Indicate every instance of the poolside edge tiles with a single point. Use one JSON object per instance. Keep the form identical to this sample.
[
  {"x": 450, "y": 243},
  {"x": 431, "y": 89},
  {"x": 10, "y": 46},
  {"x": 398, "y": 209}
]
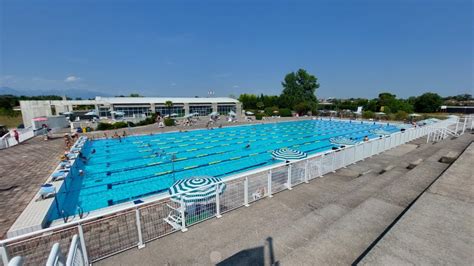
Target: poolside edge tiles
[{"x": 35, "y": 216}]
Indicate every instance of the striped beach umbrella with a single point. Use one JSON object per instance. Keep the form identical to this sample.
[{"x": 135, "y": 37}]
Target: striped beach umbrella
[
  {"x": 196, "y": 188},
  {"x": 287, "y": 154}
]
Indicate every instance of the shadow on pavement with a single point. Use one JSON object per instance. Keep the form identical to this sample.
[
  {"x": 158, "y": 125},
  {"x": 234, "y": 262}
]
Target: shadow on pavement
[{"x": 258, "y": 256}]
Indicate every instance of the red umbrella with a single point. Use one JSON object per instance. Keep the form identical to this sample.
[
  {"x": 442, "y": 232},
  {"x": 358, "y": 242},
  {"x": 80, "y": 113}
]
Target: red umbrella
[{"x": 40, "y": 119}]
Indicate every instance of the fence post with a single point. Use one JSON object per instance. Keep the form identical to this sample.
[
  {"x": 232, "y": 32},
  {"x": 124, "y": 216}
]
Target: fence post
[
  {"x": 355, "y": 153},
  {"x": 269, "y": 183},
  {"x": 246, "y": 191},
  {"x": 183, "y": 216},
  {"x": 464, "y": 125},
  {"x": 3, "y": 252},
  {"x": 290, "y": 165},
  {"x": 83, "y": 244},
  {"x": 306, "y": 171},
  {"x": 363, "y": 150},
  {"x": 139, "y": 229},
  {"x": 218, "y": 203},
  {"x": 343, "y": 152},
  {"x": 372, "y": 152}
]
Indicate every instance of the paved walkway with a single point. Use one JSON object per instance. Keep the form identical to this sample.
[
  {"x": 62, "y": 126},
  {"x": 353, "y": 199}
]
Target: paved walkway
[
  {"x": 23, "y": 168},
  {"x": 329, "y": 221},
  {"x": 439, "y": 227}
]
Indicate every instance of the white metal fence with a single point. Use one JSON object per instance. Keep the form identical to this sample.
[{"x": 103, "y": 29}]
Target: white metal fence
[
  {"x": 8, "y": 140},
  {"x": 130, "y": 227}
]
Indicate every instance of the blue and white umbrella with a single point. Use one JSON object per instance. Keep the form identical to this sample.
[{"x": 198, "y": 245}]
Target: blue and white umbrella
[
  {"x": 118, "y": 113},
  {"x": 287, "y": 154},
  {"x": 91, "y": 113},
  {"x": 196, "y": 188}
]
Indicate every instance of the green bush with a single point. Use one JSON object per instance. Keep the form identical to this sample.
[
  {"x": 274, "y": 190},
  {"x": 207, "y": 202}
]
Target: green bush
[
  {"x": 147, "y": 121},
  {"x": 270, "y": 111},
  {"x": 169, "y": 122},
  {"x": 258, "y": 116},
  {"x": 285, "y": 112},
  {"x": 401, "y": 115},
  {"x": 105, "y": 126},
  {"x": 368, "y": 114},
  {"x": 118, "y": 125}
]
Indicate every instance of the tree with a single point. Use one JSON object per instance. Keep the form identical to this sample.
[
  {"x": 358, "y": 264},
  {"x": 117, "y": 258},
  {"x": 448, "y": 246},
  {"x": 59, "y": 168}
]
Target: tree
[
  {"x": 428, "y": 102},
  {"x": 302, "y": 108},
  {"x": 298, "y": 87},
  {"x": 135, "y": 95},
  {"x": 169, "y": 104},
  {"x": 249, "y": 101},
  {"x": 260, "y": 105}
]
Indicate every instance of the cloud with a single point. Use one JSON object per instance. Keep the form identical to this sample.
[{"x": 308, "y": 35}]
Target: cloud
[
  {"x": 236, "y": 86},
  {"x": 72, "y": 79}
]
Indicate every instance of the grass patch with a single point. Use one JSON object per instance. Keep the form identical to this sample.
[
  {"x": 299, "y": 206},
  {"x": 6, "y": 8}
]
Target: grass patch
[{"x": 11, "y": 121}]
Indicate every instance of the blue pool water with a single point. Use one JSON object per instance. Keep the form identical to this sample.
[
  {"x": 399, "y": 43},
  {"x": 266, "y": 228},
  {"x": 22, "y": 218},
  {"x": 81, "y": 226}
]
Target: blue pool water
[{"x": 140, "y": 166}]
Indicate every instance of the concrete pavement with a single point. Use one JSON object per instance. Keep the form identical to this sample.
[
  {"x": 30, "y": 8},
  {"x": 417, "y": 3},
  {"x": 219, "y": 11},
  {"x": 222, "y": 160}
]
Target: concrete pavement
[
  {"x": 331, "y": 220},
  {"x": 439, "y": 227}
]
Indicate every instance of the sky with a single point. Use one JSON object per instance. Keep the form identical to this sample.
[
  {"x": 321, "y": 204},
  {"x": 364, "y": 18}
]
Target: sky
[{"x": 186, "y": 48}]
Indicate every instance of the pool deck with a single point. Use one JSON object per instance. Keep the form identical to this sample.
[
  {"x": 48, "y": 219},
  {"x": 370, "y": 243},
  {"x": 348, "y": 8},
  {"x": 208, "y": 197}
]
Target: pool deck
[
  {"x": 23, "y": 168},
  {"x": 439, "y": 228},
  {"x": 330, "y": 221}
]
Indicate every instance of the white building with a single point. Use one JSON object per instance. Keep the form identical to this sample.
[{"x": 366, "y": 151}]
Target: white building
[{"x": 130, "y": 106}]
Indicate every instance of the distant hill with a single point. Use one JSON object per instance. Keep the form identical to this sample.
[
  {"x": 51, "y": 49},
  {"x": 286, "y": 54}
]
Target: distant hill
[{"x": 84, "y": 94}]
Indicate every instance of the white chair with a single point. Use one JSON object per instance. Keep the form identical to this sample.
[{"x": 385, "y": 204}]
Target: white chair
[
  {"x": 174, "y": 217},
  {"x": 359, "y": 111}
]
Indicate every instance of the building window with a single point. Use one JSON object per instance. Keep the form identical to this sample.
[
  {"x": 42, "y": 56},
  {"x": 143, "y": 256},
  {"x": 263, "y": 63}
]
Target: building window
[
  {"x": 133, "y": 111},
  {"x": 163, "y": 110},
  {"x": 104, "y": 112},
  {"x": 226, "y": 108},
  {"x": 202, "y": 110}
]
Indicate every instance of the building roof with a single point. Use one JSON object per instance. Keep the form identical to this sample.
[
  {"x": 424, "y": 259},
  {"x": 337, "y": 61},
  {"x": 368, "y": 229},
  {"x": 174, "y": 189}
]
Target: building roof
[{"x": 136, "y": 100}]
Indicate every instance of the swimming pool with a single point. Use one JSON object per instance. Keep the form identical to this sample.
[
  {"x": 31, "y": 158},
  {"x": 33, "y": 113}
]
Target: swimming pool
[{"x": 134, "y": 167}]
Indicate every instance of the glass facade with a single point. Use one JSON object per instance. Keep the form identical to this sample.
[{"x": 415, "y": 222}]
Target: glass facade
[
  {"x": 104, "y": 112},
  {"x": 224, "y": 109},
  {"x": 130, "y": 111},
  {"x": 163, "y": 110},
  {"x": 202, "y": 110}
]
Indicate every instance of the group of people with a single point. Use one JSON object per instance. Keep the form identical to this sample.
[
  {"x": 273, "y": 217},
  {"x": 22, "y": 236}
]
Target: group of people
[{"x": 69, "y": 139}]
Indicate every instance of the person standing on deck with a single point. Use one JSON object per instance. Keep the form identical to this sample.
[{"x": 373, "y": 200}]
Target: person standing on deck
[{"x": 16, "y": 135}]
